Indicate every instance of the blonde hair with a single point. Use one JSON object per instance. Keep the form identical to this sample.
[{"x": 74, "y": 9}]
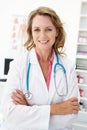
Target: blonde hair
[{"x": 60, "y": 40}]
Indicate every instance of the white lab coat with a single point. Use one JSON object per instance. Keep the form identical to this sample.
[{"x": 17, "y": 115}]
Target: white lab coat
[{"x": 37, "y": 116}]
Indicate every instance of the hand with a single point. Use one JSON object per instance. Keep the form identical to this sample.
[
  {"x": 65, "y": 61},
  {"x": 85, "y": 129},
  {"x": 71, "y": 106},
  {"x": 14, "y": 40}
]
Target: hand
[
  {"x": 70, "y": 106},
  {"x": 18, "y": 98}
]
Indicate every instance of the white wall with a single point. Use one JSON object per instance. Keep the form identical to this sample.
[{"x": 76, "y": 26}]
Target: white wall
[{"x": 68, "y": 10}]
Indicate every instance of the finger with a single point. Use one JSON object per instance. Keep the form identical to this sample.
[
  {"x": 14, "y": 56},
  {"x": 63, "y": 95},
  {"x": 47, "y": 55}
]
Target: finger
[
  {"x": 17, "y": 103},
  {"x": 17, "y": 95},
  {"x": 75, "y": 103},
  {"x": 20, "y": 92},
  {"x": 75, "y": 112},
  {"x": 15, "y": 98},
  {"x": 20, "y": 101},
  {"x": 76, "y": 108},
  {"x": 74, "y": 99},
  {"x": 19, "y": 98}
]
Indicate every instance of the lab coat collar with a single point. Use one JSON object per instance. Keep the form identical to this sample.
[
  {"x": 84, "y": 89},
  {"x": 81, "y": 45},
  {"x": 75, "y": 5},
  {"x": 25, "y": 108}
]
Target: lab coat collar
[
  {"x": 52, "y": 85},
  {"x": 33, "y": 60},
  {"x": 32, "y": 56}
]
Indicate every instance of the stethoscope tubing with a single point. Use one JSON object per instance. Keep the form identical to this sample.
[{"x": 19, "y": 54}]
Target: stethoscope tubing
[
  {"x": 27, "y": 78},
  {"x": 28, "y": 94},
  {"x": 58, "y": 64}
]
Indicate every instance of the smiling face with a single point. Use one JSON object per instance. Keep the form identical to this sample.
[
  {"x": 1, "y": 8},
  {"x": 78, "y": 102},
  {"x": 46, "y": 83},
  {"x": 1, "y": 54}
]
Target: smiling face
[{"x": 43, "y": 32}]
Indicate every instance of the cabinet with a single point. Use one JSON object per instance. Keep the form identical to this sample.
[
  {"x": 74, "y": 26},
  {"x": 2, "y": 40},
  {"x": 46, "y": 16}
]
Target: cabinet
[
  {"x": 81, "y": 68},
  {"x": 81, "y": 56}
]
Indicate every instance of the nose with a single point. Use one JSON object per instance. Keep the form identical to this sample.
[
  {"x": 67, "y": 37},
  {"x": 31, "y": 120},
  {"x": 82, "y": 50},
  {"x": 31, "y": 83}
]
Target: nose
[{"x": 42, "y": 35}]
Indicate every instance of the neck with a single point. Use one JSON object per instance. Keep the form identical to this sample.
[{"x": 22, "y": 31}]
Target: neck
[{"x": 44, "y": 55}]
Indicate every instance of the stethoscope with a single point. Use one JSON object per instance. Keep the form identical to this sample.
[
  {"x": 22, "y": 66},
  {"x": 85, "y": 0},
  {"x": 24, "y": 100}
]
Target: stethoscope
[{"x": 29, "y": 95}]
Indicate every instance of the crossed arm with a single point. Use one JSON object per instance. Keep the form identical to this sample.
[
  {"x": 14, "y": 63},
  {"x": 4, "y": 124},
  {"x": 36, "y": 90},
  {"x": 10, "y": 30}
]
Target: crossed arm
[{"x": 70, "y": 106}]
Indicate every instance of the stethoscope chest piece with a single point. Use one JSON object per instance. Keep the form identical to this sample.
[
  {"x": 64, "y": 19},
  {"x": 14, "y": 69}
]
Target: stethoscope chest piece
[
  {"x": 61, "y": 94},
  {"x": 28, "y": 95}
]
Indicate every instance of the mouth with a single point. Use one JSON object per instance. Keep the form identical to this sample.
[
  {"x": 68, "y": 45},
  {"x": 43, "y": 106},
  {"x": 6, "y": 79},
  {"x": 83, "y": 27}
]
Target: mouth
[{"x": 43, "y": 41}]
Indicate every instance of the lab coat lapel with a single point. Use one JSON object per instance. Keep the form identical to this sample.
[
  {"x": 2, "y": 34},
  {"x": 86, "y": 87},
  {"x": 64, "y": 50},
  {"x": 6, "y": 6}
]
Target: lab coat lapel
[
  {"x": 52, "y": 86},
  {"x": 33, "y": 60}
]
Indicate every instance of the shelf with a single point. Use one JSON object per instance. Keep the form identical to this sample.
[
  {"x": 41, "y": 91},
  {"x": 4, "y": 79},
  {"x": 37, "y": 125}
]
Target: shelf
[
  {"x": 82, "y": 116},
  {"x": 81, "y": 68},
  {"x": 83, "y": 16},
  {"x": 81, "y": 71},
  {"x": 82, "y": 84},
  {"x": 83, "y": 1},
  {"x": 84, "y": 7},
  {"x": 83, "y": 98},
  {"x": 83, "y": 22},
  {"x": 80, "y": 56},
  {"x": 82, "y": 29},
  {"x": 82, "y": 44},
  {"x": 79, "y": 125},
  {"x": 81, "y": 121},
  {"x": 82, "y": 38},
  {"x": 82, "y": 50}
]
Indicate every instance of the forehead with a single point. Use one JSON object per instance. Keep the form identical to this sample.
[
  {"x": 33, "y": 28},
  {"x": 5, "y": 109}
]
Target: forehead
[{"x": 42, "y": 20}]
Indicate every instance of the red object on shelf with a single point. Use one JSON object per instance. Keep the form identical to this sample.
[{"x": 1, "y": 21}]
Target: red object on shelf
[
  {"x": 80, "y": 79},
  {"x": 81, "y": 92}
]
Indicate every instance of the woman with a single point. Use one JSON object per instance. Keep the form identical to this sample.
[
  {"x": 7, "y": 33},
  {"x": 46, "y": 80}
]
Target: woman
[{"x": 53, "y": 102}]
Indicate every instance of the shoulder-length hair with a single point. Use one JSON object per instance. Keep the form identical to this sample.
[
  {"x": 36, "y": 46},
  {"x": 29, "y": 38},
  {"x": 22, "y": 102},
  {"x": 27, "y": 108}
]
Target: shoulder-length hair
[{"x": 60, "y": 39}]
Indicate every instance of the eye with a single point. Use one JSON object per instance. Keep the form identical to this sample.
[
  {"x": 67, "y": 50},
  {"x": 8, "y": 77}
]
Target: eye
[
  {"x": 36, "y": 30},
  {"x": 48, "y": 29}
]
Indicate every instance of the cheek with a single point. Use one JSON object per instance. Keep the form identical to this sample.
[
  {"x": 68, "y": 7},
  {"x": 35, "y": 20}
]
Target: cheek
[
  {"x": 34, "y": 36},
  {"x": 53, "y": 37},
  {"x": 54, "y": 34}
]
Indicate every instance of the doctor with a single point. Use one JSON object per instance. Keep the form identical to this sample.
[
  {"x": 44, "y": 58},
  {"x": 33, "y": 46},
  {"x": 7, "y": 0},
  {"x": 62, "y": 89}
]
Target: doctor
[{"x": 41, "y": 91}]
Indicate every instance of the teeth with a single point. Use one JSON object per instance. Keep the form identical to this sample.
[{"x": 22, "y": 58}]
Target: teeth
[{"x": 44, "y": 41}]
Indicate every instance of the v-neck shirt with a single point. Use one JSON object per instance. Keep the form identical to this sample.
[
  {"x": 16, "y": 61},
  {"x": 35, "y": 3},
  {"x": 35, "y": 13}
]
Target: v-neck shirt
[{"x": 49, "y": 68}]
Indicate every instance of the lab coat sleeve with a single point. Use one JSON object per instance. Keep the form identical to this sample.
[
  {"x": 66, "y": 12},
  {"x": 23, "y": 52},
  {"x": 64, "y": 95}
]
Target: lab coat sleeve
[
  {"x": 65, "y": 121},
  {"x": 73, "y": 91},
  {"x": 21, "y": 116}
]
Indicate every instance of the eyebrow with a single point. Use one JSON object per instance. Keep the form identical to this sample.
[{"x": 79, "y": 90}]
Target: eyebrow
[{"x": 46, "y": 27}]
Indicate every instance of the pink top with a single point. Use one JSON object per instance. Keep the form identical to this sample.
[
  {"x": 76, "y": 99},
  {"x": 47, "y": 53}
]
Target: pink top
[{"x": 49, "y": 68}]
